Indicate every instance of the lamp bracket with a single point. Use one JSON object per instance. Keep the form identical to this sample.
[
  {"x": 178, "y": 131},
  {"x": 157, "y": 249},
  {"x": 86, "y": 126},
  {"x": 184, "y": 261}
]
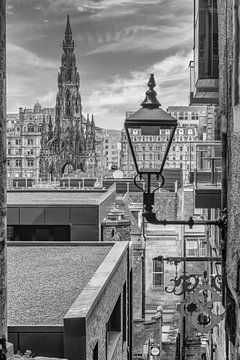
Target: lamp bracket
[{"x": 152, "y": 219}]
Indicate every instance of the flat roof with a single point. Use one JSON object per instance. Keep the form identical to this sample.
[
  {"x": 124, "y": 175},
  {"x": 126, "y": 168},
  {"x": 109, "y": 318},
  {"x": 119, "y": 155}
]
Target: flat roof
[
  {"x": 66, "y": 197},
  {"x": 44, "y": 281}
]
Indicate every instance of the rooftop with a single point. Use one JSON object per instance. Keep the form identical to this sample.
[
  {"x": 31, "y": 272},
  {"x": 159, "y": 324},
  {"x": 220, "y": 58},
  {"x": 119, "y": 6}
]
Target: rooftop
[
  {"x": 55, "y": 197},
  {"x": 44, "y": 281}
]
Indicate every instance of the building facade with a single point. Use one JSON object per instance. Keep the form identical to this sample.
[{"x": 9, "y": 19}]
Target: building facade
[
  {"x": 108, "y": 149},
  {"x": 24, "y": 131},
  {"x": 70, "y": 145}
]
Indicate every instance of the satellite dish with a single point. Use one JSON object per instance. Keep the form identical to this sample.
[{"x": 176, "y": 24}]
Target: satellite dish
[{"x": 118, "y": 174}]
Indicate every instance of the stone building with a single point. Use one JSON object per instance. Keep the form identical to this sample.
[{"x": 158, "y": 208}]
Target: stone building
[
  {"x": 24, "y": 131},
  {"x": 70, "y": 145}
]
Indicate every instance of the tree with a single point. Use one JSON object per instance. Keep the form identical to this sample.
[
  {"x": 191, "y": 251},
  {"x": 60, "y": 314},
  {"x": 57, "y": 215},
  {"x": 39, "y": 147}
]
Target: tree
[{"x": 3, "y": 177}]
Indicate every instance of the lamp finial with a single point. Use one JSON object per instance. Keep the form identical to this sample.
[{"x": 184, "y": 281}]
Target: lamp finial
[{"x": 151, "y": 101}]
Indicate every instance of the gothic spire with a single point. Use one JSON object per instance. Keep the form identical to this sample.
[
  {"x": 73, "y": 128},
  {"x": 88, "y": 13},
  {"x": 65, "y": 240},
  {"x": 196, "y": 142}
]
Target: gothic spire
[
  {"x": 68, "y": 31},
  {"x": 68, "y": 43}
]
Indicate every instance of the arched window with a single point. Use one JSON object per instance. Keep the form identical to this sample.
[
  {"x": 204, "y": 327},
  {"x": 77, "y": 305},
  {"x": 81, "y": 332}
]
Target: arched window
[{"x": 68, "y": 103}]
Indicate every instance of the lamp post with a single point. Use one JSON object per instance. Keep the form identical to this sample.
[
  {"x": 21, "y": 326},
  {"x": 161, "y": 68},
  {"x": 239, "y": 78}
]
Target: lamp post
[{"x": 150, "y": 124}]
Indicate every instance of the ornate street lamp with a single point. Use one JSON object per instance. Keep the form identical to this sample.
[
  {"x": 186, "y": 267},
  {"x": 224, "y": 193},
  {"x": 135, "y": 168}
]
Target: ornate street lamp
[{"x": 147, "y": 127}]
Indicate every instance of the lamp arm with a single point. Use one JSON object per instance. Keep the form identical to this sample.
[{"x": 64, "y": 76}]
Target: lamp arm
[{"x": 152, "y": 219}]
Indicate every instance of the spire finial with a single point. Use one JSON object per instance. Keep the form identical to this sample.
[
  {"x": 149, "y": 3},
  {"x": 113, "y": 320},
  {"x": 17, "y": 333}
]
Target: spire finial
[
  {"x": 68, "y": 31},
  {"x": 151, "y": 101}
]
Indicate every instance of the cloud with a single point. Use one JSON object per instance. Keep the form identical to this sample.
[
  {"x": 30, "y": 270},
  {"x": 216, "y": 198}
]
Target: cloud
[
  {"x": 48, "y": 100},
  {"x": 18, "y": 58},
  {"x": 9, "y": 9},
  {"x": 114, "y": 98},
  {"x": 141, "y": 39}
]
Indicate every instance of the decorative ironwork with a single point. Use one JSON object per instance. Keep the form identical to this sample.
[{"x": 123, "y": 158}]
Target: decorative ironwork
[
  {"x": 202, "y": 306},
  {"x": 182, "y": 284},
  {"x": 216, "y": 282},
  {"x": 188, "y": 284}
]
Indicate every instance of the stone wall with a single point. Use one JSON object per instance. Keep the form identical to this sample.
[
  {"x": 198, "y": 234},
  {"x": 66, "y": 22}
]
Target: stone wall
[
  {"x": 166, "y": 243},
  {"x": 185, "y": 205},
  {"x": 138, "y": 273},
  {"x": 118, "y": 230},
  {"x": 145, "y": 331},
  {"x": 228, "y": 20},
  {"x": 165, "y": 203}
]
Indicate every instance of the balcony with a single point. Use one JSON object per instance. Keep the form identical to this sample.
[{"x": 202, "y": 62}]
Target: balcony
[{"x": 207, "y": 176}]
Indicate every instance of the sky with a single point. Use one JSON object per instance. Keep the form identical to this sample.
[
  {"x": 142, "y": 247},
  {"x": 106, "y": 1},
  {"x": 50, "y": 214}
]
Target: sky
[{"x": 119, "y": 43}]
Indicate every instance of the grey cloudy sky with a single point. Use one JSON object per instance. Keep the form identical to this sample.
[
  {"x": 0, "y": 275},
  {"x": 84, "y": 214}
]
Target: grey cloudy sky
[{"x": 118, "y": 44}]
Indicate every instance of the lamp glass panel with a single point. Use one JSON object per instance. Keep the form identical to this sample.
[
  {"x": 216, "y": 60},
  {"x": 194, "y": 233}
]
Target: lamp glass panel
[{"x": 149, "y": 146}]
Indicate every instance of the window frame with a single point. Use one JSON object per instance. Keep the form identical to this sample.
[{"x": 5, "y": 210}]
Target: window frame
[{"x": 154, "y": 273}]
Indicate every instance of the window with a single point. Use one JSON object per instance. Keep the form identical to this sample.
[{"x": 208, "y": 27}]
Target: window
[
  {"x": 124, "y": 306},
  {"x": 30, "y": 128},
  {"x": 30, "y": 141},
  {"x": 9, "y": 151},
  {"x": 95, "y": 352},
  {"x": 113, "y": 328},
  {"x": 30, "y": 152},
  {"x": 8, "y": 162},
  {"x": 158, "y": 273},
  {"x": 10, "y": 233},
  {"x": 18, "y": 142},
  {"x": 196, "y": 247},
  {"x": 18, "y": 162},
  {"x": 29, "y": 162}
]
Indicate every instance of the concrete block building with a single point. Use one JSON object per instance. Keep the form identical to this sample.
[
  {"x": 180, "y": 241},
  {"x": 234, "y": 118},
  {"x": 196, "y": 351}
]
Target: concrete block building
[
  {"x": 70, "y": 300},
  {"x": 58, "y": 215}
]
